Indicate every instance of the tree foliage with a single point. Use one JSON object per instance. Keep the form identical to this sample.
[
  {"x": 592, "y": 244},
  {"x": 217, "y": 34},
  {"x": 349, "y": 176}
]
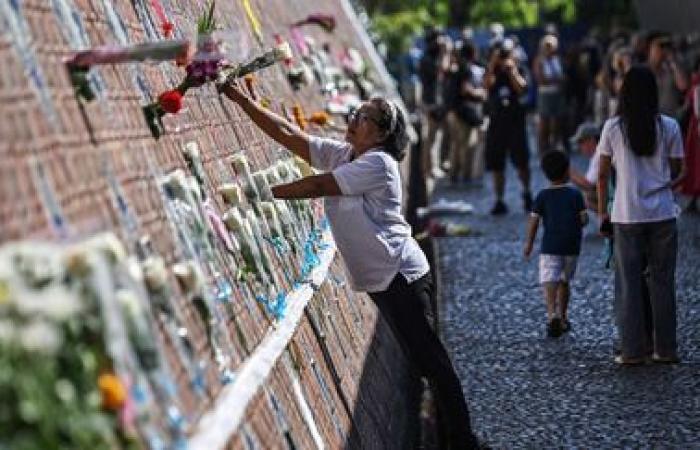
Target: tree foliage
[{"x": 397, "y": 21}]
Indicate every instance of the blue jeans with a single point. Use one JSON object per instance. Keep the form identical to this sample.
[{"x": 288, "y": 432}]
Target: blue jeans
[{"x": 645, "y": 287}]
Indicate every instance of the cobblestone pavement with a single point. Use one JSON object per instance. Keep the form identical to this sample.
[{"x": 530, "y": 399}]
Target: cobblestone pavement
[{"x": 529, "y": 391}]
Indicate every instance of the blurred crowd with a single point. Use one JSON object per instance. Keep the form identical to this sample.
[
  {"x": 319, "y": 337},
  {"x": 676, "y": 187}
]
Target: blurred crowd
[{"x": 480, "y": 106}]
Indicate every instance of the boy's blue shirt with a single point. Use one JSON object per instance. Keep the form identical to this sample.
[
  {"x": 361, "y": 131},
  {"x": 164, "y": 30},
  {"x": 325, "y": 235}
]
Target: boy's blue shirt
[{"x": 560, "y": 208}]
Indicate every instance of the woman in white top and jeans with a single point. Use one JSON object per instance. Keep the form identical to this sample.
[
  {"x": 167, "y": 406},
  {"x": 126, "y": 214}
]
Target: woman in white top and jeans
[
  {"x": 646, "y": 150},
  {"x": 361, "y": 187}
]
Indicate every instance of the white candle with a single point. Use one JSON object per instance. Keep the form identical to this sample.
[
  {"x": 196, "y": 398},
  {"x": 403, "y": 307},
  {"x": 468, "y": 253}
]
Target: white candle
[
  {"x": 262, "y": 185},
  {"x": 194, "y": 190},
  {"x": 176, "y": 183},
  {"x": 303, "y": 166},
  {"x": 273, "y": 176},
  {"x": 270, "y": 213},
  {"x": 231, "y": 193},
  {"x": 283, "y": 51},
  {"x": 188, "y": 275},
  {"x": 240, "y": 164},
  {"x": 283, "y": 170},
  {"x": 154, "y": 274},
  {"x": 233, "y": 220},
  {"x": 191, "y": 149}
]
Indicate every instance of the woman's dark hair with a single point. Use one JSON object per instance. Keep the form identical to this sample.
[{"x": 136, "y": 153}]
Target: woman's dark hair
[
  {"x": 638, "y": 110},
  {"x": 396, "y": 140}
]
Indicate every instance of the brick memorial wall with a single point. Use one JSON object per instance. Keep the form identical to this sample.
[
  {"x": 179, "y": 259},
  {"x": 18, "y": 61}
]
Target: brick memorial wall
[{"x": 190, "y": 344}]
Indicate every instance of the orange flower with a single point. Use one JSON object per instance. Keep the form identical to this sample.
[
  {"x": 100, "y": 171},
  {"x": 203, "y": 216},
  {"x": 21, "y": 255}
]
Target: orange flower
[
  {"x": 320, "y": 118},
  {"x": 299, "y": 118},
  {"x": 112, "y": 390}
]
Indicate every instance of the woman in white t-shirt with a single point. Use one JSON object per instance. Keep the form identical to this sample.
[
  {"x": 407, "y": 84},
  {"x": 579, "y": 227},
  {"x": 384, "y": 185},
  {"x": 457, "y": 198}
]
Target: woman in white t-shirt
[
  {"x": 361, "y": 186},
  {"x": 646, "y": 150}
]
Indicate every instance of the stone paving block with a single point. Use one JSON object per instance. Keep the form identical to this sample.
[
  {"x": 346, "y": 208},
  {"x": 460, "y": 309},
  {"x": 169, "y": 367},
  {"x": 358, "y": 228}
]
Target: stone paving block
[{"x": 528, "y": 391}]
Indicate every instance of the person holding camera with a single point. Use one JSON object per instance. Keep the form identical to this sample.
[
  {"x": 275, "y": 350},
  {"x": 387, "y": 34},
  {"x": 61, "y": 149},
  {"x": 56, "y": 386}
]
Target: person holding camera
[
  {"x": 646, "y": 149},
  {"x": 506, "y": 135}
]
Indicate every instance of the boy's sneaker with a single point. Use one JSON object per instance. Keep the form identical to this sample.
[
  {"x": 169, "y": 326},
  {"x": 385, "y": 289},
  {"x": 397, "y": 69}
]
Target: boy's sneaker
[
  {"x": 499, "y": 208},
  {"x": 554, "y": 327},
  {"x": 527, "y": 201}
]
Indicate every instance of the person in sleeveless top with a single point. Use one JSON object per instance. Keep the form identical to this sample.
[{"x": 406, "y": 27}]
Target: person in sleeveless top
[{"x": 549, "y": 75}]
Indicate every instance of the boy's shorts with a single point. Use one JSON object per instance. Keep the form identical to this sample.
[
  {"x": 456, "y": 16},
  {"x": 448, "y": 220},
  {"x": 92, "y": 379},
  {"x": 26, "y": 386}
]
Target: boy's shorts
[{"x": 557, "y": 268}]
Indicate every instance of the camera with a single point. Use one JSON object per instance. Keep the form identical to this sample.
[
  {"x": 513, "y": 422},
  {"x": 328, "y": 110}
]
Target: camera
[{"x": 503, "y": 48}]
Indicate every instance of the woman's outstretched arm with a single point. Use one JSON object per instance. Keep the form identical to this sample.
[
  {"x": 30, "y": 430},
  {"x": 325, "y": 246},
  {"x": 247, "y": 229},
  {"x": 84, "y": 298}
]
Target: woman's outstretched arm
[
  {"x": 275, "y": 126},
  {"x": 314, "y": 186}
]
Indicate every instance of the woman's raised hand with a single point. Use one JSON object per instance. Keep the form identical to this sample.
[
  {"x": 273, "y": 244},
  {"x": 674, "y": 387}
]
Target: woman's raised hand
[{"x": 234, "y": 90}]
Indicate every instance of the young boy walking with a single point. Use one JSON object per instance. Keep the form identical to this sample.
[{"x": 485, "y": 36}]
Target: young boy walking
[{"x": 562, "y": 210}]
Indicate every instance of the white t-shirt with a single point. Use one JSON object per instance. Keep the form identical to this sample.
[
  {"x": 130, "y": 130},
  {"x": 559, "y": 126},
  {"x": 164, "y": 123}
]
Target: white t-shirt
[
  {"x": 639, "y": 176},
  {"x": 593, "y": 164},
  {"x": 371, "y": 234}
]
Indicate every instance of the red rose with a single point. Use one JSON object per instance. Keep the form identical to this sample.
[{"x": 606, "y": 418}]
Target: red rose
[
  {"x": 170, "y": 101},
  {"x": 168, "y": 28}
]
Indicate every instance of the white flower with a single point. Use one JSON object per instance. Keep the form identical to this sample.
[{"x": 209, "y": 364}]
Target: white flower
[
  {"x": 7, "y": 331},
  {"x": 54, "y": 302},
  {"x": 283, "y": 51},
  {"x": 40, "y": 336},
  {"x": 65, "y": 390}
]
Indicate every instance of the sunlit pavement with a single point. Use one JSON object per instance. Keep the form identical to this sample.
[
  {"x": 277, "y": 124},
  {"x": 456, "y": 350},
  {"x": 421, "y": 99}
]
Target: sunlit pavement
[{"x": 526, "y": 390}]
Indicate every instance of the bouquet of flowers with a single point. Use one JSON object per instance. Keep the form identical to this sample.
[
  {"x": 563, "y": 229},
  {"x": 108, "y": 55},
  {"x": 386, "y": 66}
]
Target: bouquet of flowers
[
  {"x": 80, "y": 63},
  {"x": 204, "y": 67},
  {"x": 208, "y": 65},
  {"x": 60, "y": 387}
]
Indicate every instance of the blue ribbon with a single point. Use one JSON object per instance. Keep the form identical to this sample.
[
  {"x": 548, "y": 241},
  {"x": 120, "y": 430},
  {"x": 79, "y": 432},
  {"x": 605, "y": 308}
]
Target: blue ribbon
[
  {"x": 313, "y": 244},
  {"x": 277, "y": 307},
  {"x": 224, "y": 290}
]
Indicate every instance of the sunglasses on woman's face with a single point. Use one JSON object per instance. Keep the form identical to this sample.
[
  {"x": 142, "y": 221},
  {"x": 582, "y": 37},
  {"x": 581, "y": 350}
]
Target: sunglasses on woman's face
[{"x": 358, "y": 116}]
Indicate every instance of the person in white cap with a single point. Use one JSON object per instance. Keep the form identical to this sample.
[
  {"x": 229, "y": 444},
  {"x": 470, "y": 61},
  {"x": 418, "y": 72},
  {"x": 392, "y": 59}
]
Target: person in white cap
[
  {"x": 586, "y": 140},
  {"x": 549, "y": 74}
]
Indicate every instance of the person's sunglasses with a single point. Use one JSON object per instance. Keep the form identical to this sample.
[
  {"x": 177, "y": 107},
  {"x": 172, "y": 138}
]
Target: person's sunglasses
[{"x": 358, "y": 115}]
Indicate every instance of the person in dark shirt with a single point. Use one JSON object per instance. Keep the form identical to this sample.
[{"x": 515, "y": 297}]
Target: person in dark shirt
[
  {"x": 506, "y": 132},
  {"x": 562, "y": 211},
  {"x": 431, "y": 71},
  {"x": 463, "y": 101}
]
